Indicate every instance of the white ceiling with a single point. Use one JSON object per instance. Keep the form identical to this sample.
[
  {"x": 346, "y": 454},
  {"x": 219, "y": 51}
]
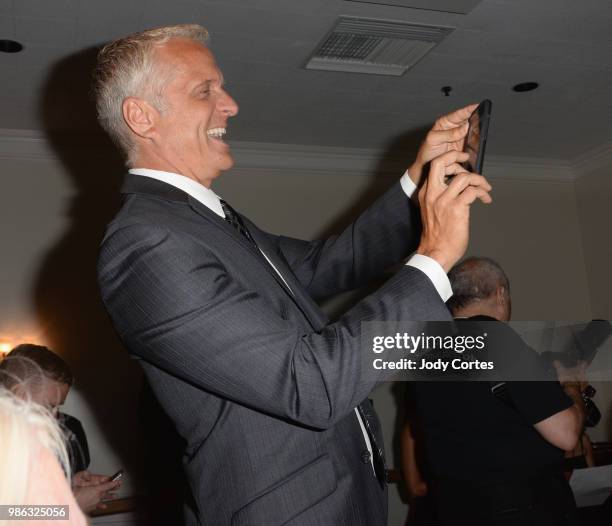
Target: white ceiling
[{"x": 262, "y": 45}]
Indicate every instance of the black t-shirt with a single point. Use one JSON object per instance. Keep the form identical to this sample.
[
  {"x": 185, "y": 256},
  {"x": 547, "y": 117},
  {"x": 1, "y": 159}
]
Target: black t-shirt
[
  {"x": 76, "y": 442},
  {"x": 470, "y": 434}
]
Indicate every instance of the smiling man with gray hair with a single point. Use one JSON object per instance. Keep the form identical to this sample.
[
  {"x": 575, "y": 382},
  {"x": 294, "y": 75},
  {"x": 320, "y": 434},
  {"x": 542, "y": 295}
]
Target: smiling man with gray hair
[{"x": 269, "y": 396}]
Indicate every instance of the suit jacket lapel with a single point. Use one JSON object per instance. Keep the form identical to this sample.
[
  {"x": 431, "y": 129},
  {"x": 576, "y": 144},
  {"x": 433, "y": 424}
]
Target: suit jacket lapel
[
  {"x": 147, "y": 185},
  {"x": 295, "y": 292},
  {"x": 303, "y": 300}
]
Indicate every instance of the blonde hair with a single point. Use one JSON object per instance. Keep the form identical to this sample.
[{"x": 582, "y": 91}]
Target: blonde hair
[
  {"x": 25, "y": 427},
  {"x": 127, "y": 67}
]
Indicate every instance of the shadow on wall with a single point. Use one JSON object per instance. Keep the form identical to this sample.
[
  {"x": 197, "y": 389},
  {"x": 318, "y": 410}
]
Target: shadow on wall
[
  {"x": 65, "y": 292},
  {"x": 398, "y": 156}
]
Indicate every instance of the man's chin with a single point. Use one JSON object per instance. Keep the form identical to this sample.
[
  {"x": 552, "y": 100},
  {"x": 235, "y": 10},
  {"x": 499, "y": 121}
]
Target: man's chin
[
  {"x": 220, "y": 168},
  {"x": 227, "y": 163}
]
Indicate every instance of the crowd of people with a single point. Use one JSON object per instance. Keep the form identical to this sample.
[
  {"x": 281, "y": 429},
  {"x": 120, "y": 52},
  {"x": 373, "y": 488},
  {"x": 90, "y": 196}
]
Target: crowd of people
[
  {"x": 268, "y": 394},
  {"x": 35, "y": 382}
]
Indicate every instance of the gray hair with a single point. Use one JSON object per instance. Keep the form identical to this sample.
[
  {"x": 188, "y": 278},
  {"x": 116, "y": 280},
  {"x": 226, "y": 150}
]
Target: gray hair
[{"x": 127, "y": 68}]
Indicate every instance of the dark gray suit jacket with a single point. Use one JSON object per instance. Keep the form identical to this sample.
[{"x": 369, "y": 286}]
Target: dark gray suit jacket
[{"x": 257, "y": 381}]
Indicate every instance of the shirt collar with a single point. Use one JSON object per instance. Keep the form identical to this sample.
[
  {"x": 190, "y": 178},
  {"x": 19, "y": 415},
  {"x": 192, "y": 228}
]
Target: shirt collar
[{"x": 199, "y": 192}]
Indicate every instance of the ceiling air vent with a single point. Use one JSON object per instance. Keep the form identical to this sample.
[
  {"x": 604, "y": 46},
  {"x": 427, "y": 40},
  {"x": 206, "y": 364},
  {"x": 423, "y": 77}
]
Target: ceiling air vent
[{"x": 380, "y": 47}]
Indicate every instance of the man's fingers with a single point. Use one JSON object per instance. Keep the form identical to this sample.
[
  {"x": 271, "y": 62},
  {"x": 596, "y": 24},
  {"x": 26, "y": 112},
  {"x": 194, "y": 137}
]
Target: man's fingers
[
  {"x": 440, "y": 163},
  {"x": 447, "y": 165},
  {"x": 442, "y": 166},
  {"x": 453, "y": 169},
  {"x": 470, "y": 194},
  {"x": 455, "y": 118},
  {"x": 465, "y": 179},
  {"x": 437, "y": 137}
]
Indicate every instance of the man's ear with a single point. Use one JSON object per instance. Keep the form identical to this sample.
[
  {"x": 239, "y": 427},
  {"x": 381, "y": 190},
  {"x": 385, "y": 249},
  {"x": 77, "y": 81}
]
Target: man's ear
[
  {"x": 500, "y": 294},
  {"x": 140, "y": 116}
]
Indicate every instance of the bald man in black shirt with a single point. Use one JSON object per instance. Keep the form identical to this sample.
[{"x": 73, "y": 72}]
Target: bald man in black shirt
[{"x": 490, "y": 459}]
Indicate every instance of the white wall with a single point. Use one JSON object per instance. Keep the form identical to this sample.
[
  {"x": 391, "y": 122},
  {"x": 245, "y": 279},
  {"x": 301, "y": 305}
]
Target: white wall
[
  {"x": 54, "y": 211},
  {"x": 594, "y": 193}
]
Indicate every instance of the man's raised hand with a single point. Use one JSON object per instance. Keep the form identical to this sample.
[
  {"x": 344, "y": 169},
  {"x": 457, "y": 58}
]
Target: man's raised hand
[
  {"x": 447, "y": 134},
  {"x": 445, "y": 207}
]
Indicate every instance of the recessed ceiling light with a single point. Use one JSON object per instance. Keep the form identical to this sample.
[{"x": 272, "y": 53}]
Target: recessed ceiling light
[
  {"x": 10, "y": 46},
  {"x": 525, "y": 86}
]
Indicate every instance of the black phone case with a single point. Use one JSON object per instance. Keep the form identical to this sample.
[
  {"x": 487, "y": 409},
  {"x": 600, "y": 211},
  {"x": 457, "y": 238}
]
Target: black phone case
[{"x": 484, "y": 114}]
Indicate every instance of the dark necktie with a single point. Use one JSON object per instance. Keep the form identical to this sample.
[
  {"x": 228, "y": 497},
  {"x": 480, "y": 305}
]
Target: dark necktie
[
  {"x": 232, "y": 217},
  {"x": 378, "y": 460}
]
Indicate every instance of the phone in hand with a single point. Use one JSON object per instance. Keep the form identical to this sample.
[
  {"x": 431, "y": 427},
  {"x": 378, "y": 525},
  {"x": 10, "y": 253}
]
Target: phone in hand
[
  {"x": 117, "y": 476},
  {"x": 476, "y": 139}
]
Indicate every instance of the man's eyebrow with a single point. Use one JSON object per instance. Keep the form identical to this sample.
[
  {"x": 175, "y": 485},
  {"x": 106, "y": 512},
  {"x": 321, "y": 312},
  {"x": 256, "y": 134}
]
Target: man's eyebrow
[
  {"x": 208, "y": 82},
  {"x": 204, "y": 83}
]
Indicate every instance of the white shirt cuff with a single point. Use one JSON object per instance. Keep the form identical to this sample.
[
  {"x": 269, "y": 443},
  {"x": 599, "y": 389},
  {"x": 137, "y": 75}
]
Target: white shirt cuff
[
  {"x": 434, "y": 271},
  {"x": 408, "y": 185}
]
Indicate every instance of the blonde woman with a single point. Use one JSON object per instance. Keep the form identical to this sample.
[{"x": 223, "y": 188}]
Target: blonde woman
[
  {"x": 36, "y": 373},
  {"x": 33, "y": 463}
]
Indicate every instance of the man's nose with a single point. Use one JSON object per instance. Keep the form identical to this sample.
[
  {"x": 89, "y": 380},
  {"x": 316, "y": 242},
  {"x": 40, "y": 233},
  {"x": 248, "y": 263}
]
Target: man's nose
[{"x": 228, "y": 105}]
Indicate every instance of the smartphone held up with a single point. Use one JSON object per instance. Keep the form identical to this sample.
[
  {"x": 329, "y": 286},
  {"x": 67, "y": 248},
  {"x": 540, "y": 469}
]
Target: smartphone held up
[{"x": 476, "y": 139}]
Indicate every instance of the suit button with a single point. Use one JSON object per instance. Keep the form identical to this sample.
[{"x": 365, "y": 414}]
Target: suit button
[{"x": 366, "y": 456}]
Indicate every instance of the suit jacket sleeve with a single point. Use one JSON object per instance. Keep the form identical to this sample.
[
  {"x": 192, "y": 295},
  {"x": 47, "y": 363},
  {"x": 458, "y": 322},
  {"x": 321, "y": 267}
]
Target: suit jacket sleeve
[
  {"x": 383, "y": 235},
  {"x": 188, "y": 316}
]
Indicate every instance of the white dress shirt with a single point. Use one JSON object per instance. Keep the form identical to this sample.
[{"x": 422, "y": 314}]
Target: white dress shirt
[{"x": 431, "y": 268}]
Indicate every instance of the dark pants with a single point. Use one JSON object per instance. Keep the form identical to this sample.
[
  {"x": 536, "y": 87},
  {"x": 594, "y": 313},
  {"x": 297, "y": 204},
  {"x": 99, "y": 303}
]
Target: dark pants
[
  {"x": 596, "y": 515},
  {"x": 539, "y": 501},
  {"x": 422, "y": 512}
]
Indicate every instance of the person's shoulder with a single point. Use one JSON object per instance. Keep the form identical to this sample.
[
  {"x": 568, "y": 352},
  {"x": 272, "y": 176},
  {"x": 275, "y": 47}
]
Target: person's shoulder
[
  {"x": 69, "y": 421},
  {"x": 146, "y": 216},
  {"x": 493, "y": 327},
  {"x": 149, "y": 209}
]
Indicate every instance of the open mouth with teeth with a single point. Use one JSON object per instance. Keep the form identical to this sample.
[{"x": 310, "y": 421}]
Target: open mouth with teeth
[{"x": 217, "y": 133}]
